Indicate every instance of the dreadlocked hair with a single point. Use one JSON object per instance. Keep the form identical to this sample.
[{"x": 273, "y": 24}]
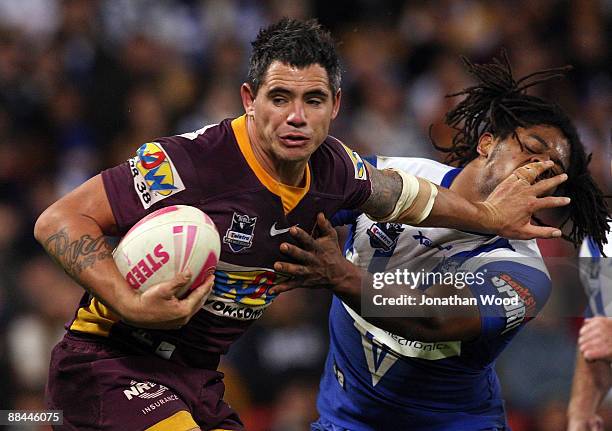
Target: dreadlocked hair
[{"x": 498, "y": 104}]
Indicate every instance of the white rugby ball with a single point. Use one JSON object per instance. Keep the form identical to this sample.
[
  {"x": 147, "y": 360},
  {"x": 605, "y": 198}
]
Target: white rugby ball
[{"x": 165, "y": 243}]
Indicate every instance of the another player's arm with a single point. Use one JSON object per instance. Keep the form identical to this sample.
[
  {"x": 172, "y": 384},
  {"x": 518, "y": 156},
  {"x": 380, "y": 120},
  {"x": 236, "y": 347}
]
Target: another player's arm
[
  {"x": 427, "y": 322},
  {"x": 404, "y": 198},
  {"x": 595, "y": 338},
  {"x": 73, "y": 231},
  {"x": 321, "y": 264},
  {"x": 592, "y": 381}
]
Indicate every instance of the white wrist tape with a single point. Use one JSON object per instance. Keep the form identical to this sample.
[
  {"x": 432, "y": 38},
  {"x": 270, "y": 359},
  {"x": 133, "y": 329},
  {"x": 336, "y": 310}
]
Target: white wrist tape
[{"x": 415, "y": 202}]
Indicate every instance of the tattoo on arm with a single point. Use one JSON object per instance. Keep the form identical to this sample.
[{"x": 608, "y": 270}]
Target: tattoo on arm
[
  {"x": 80, "y": 254},
  {"x": 386, "y": 189}
]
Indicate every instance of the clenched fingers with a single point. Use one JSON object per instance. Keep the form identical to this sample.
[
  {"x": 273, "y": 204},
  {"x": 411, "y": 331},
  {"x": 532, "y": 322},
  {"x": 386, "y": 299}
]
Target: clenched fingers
[
  {"x": 171, "y": 287},
  {"x": 199, "y": 294}
]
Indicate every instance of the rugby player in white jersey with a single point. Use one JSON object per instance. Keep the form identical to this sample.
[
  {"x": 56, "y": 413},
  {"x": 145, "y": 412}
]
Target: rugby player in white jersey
[{"x": 434, "y": 370}]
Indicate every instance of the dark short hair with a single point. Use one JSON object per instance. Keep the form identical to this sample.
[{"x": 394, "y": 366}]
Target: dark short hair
[{"x": 296, "y": 43}]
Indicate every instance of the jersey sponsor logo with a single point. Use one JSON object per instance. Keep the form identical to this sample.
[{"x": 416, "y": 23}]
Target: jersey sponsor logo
[
  {"x": 361, "y": 172},
  {"x": 404, "y": 347},
  {"x": 383, "y": 236},
  {"x": 151, "y": 407},
  {"x": 423, "y": 346},
  {"x": 155, "y": 176},
  {"x": 144, "y": 390},
  {"x": 239, "y": 236},
  {"x": 222, "y": 307},
  {"x": 424, "y": 241},
  {"x": 515, "y": 311},
  {"x": 249, "y": 287}
]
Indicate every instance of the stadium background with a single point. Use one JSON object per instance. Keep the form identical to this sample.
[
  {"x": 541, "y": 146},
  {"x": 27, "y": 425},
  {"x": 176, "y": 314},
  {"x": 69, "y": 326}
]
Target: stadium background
[{"x": 83, "y": 83}]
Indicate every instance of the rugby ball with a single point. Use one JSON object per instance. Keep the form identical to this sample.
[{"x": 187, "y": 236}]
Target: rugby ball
[{"x": 165, "y": 243}]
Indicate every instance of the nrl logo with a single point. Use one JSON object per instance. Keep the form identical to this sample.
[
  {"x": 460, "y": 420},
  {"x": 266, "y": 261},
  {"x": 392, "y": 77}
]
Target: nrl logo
[{"x": 240, "y": 234}]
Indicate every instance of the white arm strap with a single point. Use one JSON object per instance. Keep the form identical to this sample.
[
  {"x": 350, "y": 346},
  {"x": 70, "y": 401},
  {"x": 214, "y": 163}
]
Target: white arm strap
[{"x": 415, "y": 202}]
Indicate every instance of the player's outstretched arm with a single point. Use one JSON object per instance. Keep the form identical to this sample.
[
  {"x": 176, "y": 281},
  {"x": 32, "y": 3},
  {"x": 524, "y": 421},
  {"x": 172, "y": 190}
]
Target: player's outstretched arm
[
  {"x": 320, "y": 264},
  {"x": 400, "y": 197},
  {"x": 592, "y": 381},
  {"x": 73, "y": 232}
]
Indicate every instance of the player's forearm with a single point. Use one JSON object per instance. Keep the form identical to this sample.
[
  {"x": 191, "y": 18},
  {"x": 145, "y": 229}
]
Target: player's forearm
[
  {"x": 76, "y": 242},
  {"x": 402, "y": 198},
  {"x": 592, "y": 381},
  {"x": 453, "y": 211},
  {"x": 426, "y": 322}
]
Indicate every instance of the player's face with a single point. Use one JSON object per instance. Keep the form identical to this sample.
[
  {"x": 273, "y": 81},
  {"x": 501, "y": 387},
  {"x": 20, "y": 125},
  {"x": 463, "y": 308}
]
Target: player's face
[
  {"x": 292, "y": 111},
  {"x": 539, "y": 143}
]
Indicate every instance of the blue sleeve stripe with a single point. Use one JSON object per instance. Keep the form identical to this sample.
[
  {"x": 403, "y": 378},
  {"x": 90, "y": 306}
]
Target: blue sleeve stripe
[
  {"x": 596, "y": 301},
  {"x": 350, "y": 239},
  {"x": 345, "y": 217},
  {"x": 484, "y": 248},
  {"x": 449, "y": 177},
  {"x": 373, "y": 160},
  {"x": 593, "y": 248}
]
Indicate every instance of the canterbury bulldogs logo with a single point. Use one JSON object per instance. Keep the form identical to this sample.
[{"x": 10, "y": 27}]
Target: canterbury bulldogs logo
[
  {"x": 423, "y": 240},
  {"x": 383, "y": 236},
  {"x": 240, "y": 235}
]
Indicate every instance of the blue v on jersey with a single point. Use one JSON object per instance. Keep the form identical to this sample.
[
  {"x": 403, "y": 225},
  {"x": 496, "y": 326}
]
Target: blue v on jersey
[{"x": 375, "y": 380}]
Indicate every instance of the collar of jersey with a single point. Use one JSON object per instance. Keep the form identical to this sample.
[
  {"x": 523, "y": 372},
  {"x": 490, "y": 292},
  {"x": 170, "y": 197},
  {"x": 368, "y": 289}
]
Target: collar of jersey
[{"x": 290, "y": 196}]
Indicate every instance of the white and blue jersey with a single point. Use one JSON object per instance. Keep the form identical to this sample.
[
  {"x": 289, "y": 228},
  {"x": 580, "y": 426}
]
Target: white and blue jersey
[
  {"x": 596, "y": 277},
  {"x": 375, "y": 380}
]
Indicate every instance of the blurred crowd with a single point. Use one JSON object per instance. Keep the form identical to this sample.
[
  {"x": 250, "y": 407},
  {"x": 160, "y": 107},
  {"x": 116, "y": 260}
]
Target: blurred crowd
[{"x": 83, "y": 83}]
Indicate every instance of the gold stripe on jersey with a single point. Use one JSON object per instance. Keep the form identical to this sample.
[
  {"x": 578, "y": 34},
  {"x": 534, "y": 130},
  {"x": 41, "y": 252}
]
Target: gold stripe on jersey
[
  {"x": 95, "y": 318},
  {"x": 290, "y": 196},
  {"x": 180, "y": 421}
]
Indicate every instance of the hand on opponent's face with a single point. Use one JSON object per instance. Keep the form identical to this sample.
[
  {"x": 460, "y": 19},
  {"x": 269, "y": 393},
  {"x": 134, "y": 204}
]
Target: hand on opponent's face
[{"x": 508, "y": 209}]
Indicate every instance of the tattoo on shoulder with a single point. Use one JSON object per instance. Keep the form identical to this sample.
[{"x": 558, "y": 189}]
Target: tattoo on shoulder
[
  {"x": 386, "y": 189},
  {"x": 79, "y": 254}
]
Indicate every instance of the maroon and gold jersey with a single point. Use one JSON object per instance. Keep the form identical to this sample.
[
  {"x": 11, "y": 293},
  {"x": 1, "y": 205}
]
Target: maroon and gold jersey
[{"x": 214, "y": 169}]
